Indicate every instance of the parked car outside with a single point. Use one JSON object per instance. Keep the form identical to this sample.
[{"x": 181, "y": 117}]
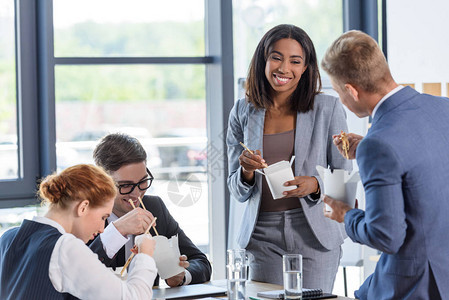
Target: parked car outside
[
  {"x": 183, "y": 151},
  {"x": 80, "y": 147}
]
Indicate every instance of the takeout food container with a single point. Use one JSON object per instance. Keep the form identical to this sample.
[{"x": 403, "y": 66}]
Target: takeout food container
[
  {"x": 339, "y": 184},
  {"x": 167, "y": 256},
  {"x": 276, "y": 175}
]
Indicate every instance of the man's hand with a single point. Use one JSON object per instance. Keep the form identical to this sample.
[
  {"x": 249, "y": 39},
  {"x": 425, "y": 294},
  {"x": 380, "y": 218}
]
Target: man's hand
[
  {"x": 177, "y": 280},
  {"x": 339, "y": 209},
  {"x": 353, "y": 139},
  {"x": 134, "y": 222}
]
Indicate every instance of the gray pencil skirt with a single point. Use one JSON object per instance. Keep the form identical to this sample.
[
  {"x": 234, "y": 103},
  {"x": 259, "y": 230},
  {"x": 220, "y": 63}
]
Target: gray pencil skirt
[{"x": 278, "y": 233}]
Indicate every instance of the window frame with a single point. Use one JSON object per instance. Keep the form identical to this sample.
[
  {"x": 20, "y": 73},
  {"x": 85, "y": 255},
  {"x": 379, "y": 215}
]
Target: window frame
[{"x": 21, "y": 191}]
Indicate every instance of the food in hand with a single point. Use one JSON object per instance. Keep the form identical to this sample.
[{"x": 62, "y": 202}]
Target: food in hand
[{"x": 345, "y": 143}]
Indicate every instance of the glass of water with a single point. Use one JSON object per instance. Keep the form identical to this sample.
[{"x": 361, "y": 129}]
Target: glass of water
[
  {"x": 292, "y": 266},
  {"x": 237, "y": 274}
]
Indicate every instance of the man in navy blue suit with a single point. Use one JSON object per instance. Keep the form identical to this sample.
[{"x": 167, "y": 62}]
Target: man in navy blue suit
[{"x": 404, "y": 167}]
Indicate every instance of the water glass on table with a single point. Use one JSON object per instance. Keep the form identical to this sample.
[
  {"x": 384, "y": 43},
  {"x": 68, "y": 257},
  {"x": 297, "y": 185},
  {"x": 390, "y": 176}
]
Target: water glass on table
[
  {"x": 292, "y": 267},
  {"x": 237, "y": 274}
]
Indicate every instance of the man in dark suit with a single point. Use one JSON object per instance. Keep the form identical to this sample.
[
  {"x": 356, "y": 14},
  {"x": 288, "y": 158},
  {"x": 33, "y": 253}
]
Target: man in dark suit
[
  {"x": 124, "y": 158},
  {"x": 404, "y": 167}
]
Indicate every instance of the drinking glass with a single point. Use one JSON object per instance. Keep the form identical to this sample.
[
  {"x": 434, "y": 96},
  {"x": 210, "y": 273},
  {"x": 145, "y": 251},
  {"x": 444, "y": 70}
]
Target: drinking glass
[
  {"x": 292, "y": 266},
  {"x": 237, "y": 274}
]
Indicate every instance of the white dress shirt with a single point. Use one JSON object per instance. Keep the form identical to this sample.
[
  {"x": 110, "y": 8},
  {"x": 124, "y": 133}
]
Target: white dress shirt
[
  {"x": 113, "y": 240},
  {"x": 76, "y": 270},
  {"x": 391, "y": 93}
]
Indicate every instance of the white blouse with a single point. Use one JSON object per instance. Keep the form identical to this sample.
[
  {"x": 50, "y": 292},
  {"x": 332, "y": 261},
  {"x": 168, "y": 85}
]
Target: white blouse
[{"x": 76, "y": 270}]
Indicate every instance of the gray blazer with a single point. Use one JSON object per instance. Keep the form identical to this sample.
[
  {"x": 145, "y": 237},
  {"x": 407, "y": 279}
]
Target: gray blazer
[{"x": 313, "y": 146}]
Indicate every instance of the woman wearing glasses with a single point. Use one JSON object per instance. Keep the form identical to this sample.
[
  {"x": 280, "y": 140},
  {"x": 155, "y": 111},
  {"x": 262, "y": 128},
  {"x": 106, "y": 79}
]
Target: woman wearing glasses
[
  {"x": 124, "y": 158},
  {"x": 46, "y": 258}
]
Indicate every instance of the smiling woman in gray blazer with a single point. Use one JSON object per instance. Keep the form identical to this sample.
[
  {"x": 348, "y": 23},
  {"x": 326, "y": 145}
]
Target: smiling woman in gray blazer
[{"x": 284, "y": 114}]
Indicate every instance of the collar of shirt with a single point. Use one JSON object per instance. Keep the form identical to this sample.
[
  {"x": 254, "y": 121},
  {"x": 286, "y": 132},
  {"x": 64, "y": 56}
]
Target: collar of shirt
[
  {"x": 47, "y": 221},
  {"x": 391, "y": 93}
]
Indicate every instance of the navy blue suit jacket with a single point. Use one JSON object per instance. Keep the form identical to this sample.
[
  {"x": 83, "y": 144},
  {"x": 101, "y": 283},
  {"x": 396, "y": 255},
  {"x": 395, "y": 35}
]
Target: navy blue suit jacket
[{"x": 404, "y": 167}]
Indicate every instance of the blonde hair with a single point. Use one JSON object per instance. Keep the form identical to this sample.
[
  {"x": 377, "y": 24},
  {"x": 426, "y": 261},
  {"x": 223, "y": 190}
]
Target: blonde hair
[
  {"x": 356, "y": 58},
  {"x": 76, "y": 183}
]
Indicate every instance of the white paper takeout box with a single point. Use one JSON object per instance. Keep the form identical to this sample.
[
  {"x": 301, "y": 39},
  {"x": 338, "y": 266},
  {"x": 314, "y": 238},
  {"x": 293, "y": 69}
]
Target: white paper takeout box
[
  {"x": 276, "y": 175},
  {"x": 167, "y": 256},
  {"x": 339, "y": 184}
]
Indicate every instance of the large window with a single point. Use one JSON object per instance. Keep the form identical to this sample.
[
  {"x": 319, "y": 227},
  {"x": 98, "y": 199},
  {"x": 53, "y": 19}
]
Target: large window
[
  {"x": 73, "y": 71},
  {"x": 162, "y": 103},
  {"x": 19, "y": 161},
  {"x": 129, "y": 28},
  {"x": 9, "y": 164}
]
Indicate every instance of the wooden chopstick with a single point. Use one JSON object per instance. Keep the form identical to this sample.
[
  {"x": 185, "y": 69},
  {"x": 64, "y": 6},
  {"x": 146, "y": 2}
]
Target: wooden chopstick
[
  {"x": 143, "y": 206},
  {"x": 155, "y": 231},
  {"x": 132, "y": 254},
  {"x": 141, "y": 203},
  {"x": 132, "y": 203},
  {"x": 247, "y": 149}
]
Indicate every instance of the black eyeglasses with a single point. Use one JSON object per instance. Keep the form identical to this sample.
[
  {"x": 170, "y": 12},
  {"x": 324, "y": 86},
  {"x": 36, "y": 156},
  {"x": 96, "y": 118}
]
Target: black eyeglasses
[{"x": 143, "y": 185}]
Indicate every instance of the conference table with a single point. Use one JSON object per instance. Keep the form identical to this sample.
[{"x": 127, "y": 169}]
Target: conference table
[{"x": 252, "y": 288}]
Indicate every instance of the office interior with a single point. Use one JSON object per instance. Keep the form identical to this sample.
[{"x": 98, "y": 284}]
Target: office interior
[{"x": 169, "y": 72}]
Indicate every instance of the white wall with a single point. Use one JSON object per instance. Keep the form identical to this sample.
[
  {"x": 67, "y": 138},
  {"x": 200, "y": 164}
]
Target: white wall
[{"x": 418, "y": 40}]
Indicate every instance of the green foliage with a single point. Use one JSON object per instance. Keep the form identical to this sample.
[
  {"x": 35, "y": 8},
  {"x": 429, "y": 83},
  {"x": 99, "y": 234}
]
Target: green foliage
[
  {"x": 131, "y": 39},
  {"x": 130, "y": 82},
  {"x": 322, "y": 20},
  {"x": 7, "y": 93},
  {"x": 133, "y": 82},
  {"x": 7, "y": 81}
]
